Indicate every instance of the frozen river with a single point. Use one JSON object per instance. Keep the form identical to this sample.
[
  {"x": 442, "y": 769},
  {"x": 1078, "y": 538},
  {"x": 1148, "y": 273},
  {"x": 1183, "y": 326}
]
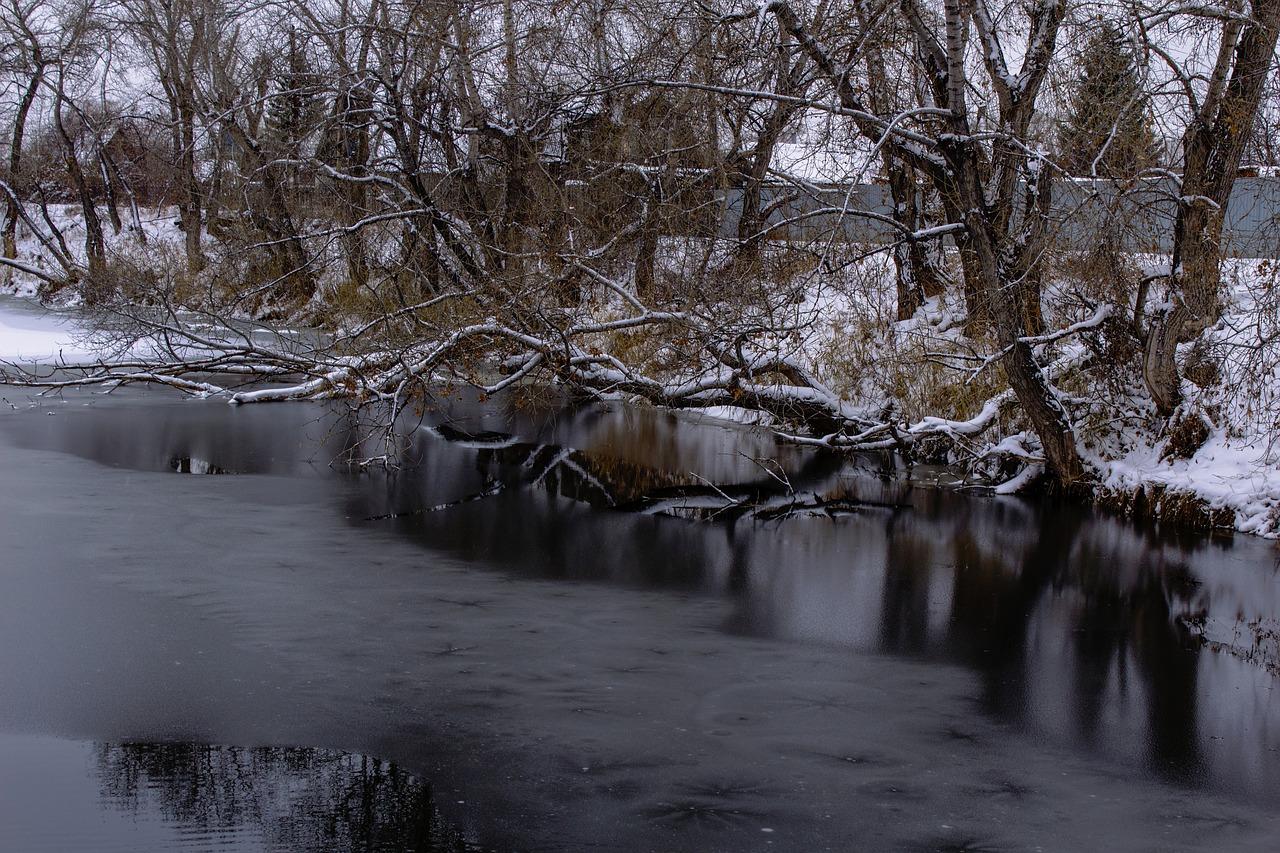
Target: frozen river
[{"x": 921, "y": 670}]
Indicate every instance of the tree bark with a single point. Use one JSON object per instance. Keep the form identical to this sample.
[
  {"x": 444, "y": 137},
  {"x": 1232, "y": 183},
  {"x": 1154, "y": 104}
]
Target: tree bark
[
  {"x": 295, "y": 280},
  {"x": 16, "y": 141},
  {"x": 917, "y": 276},
  {"x": 978, "y": 187},
  {"x": 1048, "y": 418},
  {"x": 94, "y": 242},
  {"x": 775, "y": 122},
  {"x": 1212, "y": 148}
]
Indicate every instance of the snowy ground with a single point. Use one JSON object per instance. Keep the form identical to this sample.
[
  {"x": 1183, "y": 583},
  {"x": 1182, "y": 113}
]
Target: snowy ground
[
  {"x": 1238, "y": 474},
  {"x": 156, "y": 229},
  {"x": 29, "y": 333},
  {"x": 1238, "y": 467}
]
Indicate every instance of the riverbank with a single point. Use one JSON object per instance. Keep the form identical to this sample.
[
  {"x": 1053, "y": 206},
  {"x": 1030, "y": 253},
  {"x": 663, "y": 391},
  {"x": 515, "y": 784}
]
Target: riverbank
[{"x": 926, "y": 384}]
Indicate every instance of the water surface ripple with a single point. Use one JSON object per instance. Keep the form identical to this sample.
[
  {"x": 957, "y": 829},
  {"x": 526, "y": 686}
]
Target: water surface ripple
[{"x": 518, "y": 620}]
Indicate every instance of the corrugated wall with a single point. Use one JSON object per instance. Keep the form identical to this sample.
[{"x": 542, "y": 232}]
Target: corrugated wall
[{"x": 1138, "y": 217}]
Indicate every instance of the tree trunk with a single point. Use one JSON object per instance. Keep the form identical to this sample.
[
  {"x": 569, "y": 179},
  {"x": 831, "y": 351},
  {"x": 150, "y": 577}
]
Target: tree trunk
[
  {"x": 109, "y": 190},
  {"x": 182, "y": 114},
  {"x": 353, "y": 119},
  {"x": 12, "y": 213},
  {"x": 917, "y": 276},
  {"x": 1194, "y": 283},
  {"x": 1212, "y": 148},
  {"x": 1048, "y": 418},
  {"x": 752, "y": 221},
  {"x": 94, "y": 243},
  {"x": 115, "y": 178},
  {"x": 294, "y": 280},
  {"x": 1029, "y": 251},
  {"x": 647, "y": 252}
]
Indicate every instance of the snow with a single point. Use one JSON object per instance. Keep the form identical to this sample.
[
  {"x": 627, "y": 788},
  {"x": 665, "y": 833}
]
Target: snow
[
  {"x": 1238, "y": 468},
  {"x": 1021, "y": 480},
  {"x": 29, "y": 334},
  {"x": 1226, "y": 473},
  {"x": 818, "y": 164},
  {"x": 1154, "y": 270},
  {"x": 731, "y": 415},
  {"x": 155, "y": 231}
]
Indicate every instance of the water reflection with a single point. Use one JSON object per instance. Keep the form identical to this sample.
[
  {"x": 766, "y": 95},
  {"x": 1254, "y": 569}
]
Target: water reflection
[
  {"x": 296, "y": 800},
  {"x": 1083, "y": 629},
  {"x": 1078, "y": 626},
  {"x": 1079, "y": 630},
  {"x": 190, "y": 465},
  {"x": 158, "y": 431}
]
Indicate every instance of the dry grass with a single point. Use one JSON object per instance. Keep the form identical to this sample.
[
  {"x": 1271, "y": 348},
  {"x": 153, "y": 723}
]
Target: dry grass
[{"x": 1158, "y": 503}]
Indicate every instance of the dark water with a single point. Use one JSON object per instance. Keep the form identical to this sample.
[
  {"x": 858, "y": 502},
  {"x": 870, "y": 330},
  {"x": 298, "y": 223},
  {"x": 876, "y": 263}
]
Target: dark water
[
  {"x": 577, "y": 644},
  {"x": 142, "y": 797}
]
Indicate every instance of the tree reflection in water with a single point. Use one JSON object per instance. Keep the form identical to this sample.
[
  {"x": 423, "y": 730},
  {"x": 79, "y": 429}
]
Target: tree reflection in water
[
  {"x": 1082, "y": 628},
  {"x": 294, "y": 799},
  {"x": 1079, "y": 630}
]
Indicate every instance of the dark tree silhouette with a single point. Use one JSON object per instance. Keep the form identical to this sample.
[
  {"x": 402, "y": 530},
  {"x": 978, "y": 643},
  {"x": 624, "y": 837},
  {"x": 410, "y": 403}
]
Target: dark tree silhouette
[{"x": 1107, "y": 131}]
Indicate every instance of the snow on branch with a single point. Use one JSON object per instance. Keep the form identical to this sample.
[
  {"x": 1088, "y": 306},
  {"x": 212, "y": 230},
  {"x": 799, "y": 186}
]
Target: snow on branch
[
  {"x": 993, "y": 53},
  {"x": 31, "y": 270},
  {"x": 1099, "y": 317}
]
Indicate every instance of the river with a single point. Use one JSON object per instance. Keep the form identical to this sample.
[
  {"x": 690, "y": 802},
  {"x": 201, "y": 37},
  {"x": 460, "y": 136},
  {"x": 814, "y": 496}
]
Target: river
[{"x": 547, "y": 632}]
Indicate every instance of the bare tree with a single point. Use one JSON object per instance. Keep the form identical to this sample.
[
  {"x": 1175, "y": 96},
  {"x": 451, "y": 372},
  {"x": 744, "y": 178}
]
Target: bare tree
[
  {"x": 1221, "y": 113},
  {"x": 29, "y": 62},
  {"x": 479, "y": 195},
  {"x": 51, "y": 47},
  {"x": 894, "y": 89},
  {"x": 990, "y": 179},
  {"x": 175, "y": 36},
  {"x": 94, "y": 243}
]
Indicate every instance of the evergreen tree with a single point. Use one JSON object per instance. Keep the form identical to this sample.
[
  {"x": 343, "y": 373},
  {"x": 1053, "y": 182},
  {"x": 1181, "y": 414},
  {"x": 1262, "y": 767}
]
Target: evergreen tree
[
  {"x": 296, "y": 107},
  {"x": 1109, "y": 113}
]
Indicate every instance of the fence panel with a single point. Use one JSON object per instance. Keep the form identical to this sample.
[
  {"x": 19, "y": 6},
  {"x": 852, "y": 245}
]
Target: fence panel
[{"x": 1138, "y": 217}]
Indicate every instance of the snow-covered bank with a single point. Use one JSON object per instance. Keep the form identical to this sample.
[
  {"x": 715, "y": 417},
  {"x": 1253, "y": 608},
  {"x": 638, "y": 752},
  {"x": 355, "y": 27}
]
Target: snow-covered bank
[
  {"x": 140, "y": 243},
  {"x": 799, "y": 333},
  {"x": 1232, "y": 475},
  {"x": 1233, "y": 389},
  {"x": 927, "y": 366}
]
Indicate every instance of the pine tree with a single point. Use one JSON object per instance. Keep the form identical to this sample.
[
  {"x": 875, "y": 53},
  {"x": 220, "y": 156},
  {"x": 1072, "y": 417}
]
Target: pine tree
[
  {"x": 296, "y": 107},
  {"x": 1109, "y": 112}
]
